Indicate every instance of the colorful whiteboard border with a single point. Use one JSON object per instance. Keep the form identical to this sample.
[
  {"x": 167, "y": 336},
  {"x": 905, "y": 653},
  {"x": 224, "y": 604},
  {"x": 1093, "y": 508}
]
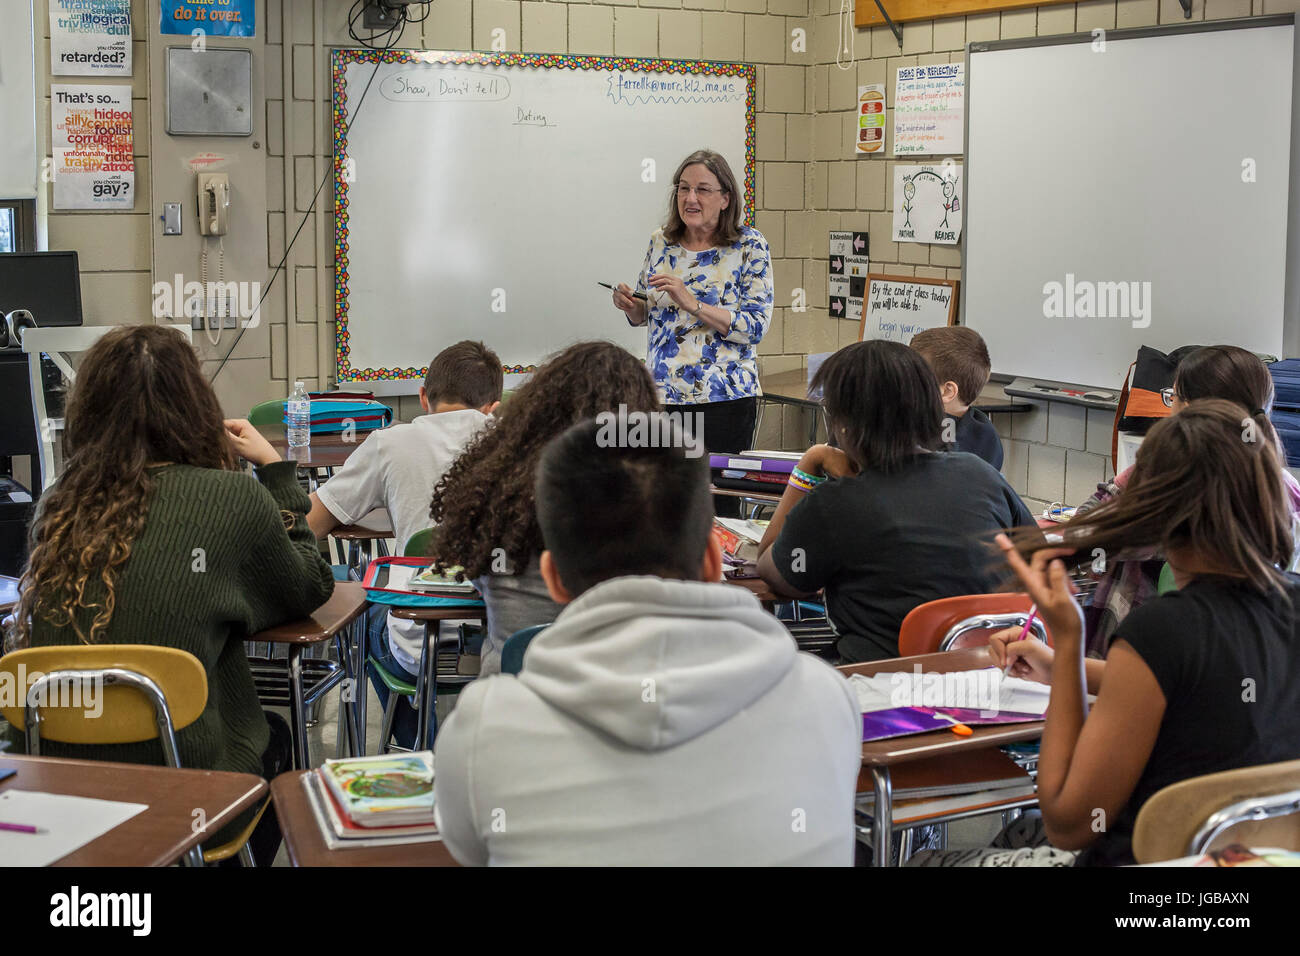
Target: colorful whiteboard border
[{"x": 552, "y": 61}]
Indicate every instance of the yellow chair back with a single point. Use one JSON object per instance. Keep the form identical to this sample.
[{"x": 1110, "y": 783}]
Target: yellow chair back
[{"x": 97, "y": 712}]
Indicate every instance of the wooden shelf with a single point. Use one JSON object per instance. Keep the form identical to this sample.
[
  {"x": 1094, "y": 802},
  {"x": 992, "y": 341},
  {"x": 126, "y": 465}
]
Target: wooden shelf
[{"x": 867, "y": 14}]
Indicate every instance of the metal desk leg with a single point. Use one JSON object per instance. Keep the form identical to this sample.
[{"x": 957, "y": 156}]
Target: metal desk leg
[
  {"x": 426, "y": 696},
  {"x": 362, "y": 687},
  {"x": 297, "y": 709},
  {"x": 884, "y": 816},
  {"x": 347, "y": 725}
]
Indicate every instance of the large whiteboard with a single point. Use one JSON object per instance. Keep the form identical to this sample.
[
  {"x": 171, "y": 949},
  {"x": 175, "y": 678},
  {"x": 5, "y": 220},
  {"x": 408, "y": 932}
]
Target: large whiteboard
[
  {"x": 484, "y": 195},
  {"x": 1127, "y": 161}
]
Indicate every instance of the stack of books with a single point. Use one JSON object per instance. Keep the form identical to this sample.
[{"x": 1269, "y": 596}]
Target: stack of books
[
  {"x": 762, "y": 472},
  {"x": 739, "y": 538},
  {"x": 427, "y": 581},
  {"x": 384, "y": 800}
]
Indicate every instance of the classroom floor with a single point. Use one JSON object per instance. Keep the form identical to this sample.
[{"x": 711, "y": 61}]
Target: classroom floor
[{"x": 970, "y": 833}]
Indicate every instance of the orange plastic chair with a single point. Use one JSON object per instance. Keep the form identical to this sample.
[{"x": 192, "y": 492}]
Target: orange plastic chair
[{"x": 950, "y": 624}]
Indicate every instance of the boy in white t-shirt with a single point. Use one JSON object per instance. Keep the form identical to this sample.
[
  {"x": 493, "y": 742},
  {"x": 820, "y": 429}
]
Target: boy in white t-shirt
[{"x": 397, "y": 468}]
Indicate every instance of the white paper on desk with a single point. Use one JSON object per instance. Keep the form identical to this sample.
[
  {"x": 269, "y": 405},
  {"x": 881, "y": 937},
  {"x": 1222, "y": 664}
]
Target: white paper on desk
[
  {"x": 65, "y": 824},
  {"x": 399, "y": 576},
  {"x": 985, "y": 689}
]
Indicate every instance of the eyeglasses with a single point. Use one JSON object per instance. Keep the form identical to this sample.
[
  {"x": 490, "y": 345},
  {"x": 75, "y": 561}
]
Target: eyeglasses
[
  {"x": 704, "y": 192},
  {"x": 1167, "y": 396}
]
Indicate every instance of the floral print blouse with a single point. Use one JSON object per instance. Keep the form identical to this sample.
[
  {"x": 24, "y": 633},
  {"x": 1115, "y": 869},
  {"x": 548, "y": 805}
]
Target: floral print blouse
[{"x": 691, "y": 363}]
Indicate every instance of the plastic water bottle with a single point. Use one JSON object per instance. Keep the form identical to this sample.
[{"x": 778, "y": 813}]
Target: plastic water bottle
[{"x": 299, "y": 409}]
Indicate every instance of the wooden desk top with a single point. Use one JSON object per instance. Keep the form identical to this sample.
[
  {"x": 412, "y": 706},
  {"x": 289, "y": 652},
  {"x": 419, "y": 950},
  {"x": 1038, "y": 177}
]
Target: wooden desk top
[
  {"x": 325, "y": 451},
  {"x": 8, "y": 593},
  {"x": 753, "y": 495},
  {"x": 343, "y": 607},
  {"x": 884, "y": 753},
  {"x": 460, "y": 612},
  {"x": 306, "y": 846},
  {"x": 791, "y": 387},
  {"x": 160, "y": 835},
  {"x": 759, "y": 588}
]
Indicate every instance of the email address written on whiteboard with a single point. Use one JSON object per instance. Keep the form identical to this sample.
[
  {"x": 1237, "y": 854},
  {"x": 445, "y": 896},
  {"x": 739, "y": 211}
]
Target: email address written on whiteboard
[{"x": 634, "y": 88}]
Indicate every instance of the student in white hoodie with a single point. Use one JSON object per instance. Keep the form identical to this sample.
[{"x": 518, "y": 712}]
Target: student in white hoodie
[{"x": 664, "y": 718}]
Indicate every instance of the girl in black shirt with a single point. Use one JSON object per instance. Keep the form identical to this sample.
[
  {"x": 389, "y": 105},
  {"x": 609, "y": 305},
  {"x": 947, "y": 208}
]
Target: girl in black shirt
[{"x": 1197, "y": 681}]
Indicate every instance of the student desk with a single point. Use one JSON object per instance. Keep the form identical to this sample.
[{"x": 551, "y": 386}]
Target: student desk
[
  {"x": 306, "y": 846},
  {"x": 879, "y": 756},
  {"x": 326, "y": 623},
  {"x": 325, "y": 451},
  {"x": 160, "y": 835},
  {"x": 427, "y": 682},
  {"x": 791, "y": 388},
  {"x": 8, "y": 594}
]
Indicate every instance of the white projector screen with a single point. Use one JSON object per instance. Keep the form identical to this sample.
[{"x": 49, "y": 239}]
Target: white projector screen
[
  {"x": 1126, "y": 196},
  {"x": 484, "y": 196}
]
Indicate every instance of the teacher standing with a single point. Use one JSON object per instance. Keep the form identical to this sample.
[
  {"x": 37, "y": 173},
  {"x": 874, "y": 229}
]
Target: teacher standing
[{"x": 708, "y": 282}]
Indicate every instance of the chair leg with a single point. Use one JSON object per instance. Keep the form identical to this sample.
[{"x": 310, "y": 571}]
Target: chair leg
[
  {"x": 905, "y": 846},
  {"x": 194, "y": 857},
  {"x": 246, "y": 856},
  {"x": 386, "y": 730}
]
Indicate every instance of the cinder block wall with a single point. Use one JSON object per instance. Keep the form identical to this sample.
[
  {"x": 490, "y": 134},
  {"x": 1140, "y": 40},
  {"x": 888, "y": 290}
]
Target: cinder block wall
[{"x": 809, "y": 182}]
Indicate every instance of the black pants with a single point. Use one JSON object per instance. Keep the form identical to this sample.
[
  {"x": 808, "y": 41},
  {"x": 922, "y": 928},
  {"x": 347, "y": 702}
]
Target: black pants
[
  {"x": 276, "y": 759},
  {"x": 728, "y": 430}
]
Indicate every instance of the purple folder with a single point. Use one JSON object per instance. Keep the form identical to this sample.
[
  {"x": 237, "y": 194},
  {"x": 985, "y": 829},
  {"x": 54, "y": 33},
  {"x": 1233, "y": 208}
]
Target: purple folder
[
  {"x": 902, "y": 721},
  {"x": 778, "y": 466}
]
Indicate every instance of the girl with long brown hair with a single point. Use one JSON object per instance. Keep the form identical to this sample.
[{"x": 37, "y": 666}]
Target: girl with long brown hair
[
  {"x": 1197, "y": 681},
  {"x": 483, "y": 506},
  {"x": 152, "y": 536}
]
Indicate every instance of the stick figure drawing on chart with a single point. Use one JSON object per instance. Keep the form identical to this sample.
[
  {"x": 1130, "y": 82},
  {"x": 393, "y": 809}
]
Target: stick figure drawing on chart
[
  {"x": 950, "y": 200},
  {"x": 909, "y": 191}
]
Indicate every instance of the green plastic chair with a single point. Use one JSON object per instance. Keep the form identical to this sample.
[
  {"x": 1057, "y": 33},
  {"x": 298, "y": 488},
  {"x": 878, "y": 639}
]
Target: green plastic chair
[
  {"x": 1166, "y": 582},
  {"x": 420, "y": 545},
  {"x": 267, "y": 413}
]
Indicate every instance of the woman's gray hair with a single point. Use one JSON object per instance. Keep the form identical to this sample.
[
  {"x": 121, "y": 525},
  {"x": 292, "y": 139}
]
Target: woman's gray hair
[{"x": 729, "y": 220}]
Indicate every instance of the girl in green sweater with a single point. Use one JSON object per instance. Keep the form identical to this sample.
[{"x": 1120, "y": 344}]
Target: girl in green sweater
[{"x": 152, "y": 535}]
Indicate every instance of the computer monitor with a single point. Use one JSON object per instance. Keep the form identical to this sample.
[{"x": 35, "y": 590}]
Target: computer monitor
[{"x": 46, "y": 284}]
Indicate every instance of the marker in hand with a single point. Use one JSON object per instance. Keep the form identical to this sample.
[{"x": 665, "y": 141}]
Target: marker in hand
[{"x": 636, "y": 295}]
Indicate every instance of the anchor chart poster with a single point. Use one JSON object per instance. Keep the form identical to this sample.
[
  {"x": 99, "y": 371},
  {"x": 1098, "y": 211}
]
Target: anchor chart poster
[{"x": 928, "y": 203}]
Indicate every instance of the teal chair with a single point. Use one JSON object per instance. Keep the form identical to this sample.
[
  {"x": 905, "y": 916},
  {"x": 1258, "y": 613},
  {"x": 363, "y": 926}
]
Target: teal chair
[
  {"x": 1166, "y": 582},
  {"x": 512, "y": 652}
]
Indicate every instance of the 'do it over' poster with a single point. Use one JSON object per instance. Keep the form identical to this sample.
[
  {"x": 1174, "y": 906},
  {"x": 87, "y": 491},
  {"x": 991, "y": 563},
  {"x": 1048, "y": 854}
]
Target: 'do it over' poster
[{"x": 214, "y": 18}]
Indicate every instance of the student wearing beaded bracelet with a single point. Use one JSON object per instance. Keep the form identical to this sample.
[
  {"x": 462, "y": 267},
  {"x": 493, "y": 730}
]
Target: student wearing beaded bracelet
[{"x": 905, "y": 522}]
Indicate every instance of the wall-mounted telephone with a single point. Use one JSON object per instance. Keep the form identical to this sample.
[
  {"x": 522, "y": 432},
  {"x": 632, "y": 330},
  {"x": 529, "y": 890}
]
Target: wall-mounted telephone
[{"x": 214, "y": 204}]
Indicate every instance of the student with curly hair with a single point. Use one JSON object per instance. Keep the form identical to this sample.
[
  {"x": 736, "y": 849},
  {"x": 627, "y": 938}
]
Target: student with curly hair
[
  {"x": 484, "y": 504},
  {"x": 152, "y": 535}
]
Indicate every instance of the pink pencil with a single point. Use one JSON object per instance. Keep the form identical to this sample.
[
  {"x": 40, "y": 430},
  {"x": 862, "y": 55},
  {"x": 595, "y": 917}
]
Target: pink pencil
[
  {"x": 1033, "y": 613},
  {"x": 17, "y": 827}
]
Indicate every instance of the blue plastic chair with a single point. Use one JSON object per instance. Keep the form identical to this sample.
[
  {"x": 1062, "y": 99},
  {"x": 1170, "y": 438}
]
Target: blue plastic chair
[{"x": 512, "y": 652}]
